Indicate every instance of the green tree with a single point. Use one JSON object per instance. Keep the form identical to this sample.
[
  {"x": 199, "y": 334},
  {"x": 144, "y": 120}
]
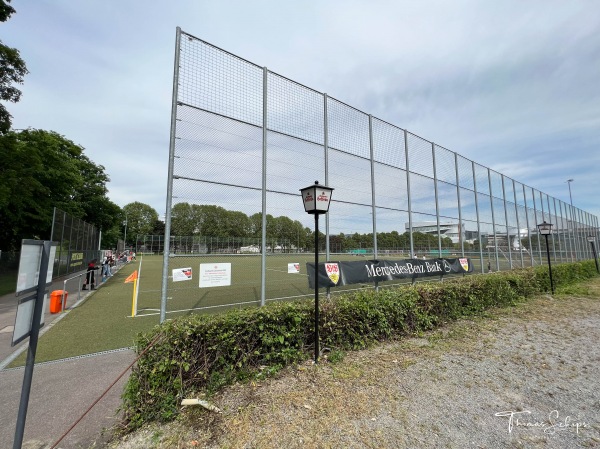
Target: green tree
[
  {"x": 140, "y": 218},
  {"x": 12, "y": 71},
  {"x": 40, "y": 170},
  {"x": 212, "y": 220},
  {"x": 237, "y": 224},
  {"x": 159, "y": 227},
  {"x": 183, "y": 221}
]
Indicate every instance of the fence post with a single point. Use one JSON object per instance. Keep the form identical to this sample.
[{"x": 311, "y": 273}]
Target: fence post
[
  {"x": 410, "y": 231},
  {"x": 165, "y": 271},
  {"x": 493, "y": 220},
  {"x": 437, "y": 204},
  {"x": 460, "y": 223},
  {"x": 477, "y": 214},
  {"x": 263, "y": 259},
  {"x": 373, "y": 208},
  {"x": 506, "y": 222}
]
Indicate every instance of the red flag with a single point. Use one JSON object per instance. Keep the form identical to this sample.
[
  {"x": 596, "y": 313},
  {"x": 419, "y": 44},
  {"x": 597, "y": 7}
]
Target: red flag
[{"x": 132, "y": 277}]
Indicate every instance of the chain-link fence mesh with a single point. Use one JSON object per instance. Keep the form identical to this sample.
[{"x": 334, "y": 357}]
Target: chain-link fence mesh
[
  {"x": 77, "y": 243},
  {"x": 244, "y": 140}
]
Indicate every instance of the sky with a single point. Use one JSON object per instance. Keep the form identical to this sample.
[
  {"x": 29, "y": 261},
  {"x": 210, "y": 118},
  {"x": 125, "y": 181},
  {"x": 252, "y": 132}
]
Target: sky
[{"x": 512, "y": 85}]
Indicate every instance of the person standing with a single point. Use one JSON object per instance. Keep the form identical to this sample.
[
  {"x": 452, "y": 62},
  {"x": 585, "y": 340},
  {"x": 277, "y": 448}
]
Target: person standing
[
  {"x": 89, "y": 277},
  {"x": 105, "y": 269}
]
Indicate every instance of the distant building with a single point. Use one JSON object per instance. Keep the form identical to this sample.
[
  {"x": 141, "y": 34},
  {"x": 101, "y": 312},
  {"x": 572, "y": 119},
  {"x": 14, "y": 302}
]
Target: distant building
[{"x": 449, "y": 229}]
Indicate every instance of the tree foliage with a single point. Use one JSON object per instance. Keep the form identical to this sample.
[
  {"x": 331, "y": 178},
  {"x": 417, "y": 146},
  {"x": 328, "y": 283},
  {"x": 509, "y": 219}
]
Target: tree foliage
[
  {"x": 12, "y": 71},
  {"x": 40, "y": 170},
  {"x": 141, "y": 219},
  {"x": 216, "y": 221}
]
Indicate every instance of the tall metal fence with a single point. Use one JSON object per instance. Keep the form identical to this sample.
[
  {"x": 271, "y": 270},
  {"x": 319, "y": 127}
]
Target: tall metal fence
[
  {"x": 77, "y": 243},
  {"x": 247, "y": 139}
]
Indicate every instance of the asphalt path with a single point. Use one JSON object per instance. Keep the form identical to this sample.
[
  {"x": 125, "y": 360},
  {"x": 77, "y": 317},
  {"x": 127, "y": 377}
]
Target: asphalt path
[{"x": 61, "y": 391}]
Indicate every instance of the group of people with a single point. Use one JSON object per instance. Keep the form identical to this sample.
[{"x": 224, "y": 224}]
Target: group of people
[{"x": 90, "y": 278}]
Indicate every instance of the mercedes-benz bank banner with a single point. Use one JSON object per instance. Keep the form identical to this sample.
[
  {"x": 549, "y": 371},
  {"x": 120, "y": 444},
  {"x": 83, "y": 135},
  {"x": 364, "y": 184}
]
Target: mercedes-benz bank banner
[{"x": 333, "y": 274}]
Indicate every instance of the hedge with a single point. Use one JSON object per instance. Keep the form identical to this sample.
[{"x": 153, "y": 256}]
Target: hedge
[{"x": 202, "y": 353}]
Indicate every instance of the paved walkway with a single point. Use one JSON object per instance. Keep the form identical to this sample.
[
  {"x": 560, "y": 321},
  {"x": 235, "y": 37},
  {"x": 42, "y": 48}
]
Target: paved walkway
[{"x": 61, "y": 391}]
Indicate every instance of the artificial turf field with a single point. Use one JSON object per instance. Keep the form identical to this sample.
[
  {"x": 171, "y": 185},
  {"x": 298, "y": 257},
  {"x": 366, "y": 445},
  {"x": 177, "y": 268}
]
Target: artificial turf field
[
  {"x": 103, "y": 321},
  {"x": 245, "y": 288}
]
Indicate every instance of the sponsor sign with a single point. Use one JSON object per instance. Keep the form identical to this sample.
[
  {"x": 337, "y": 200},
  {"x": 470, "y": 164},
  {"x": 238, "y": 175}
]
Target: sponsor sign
[
  {"x": 293, "y": 268},
  {"x": 215, "y": 275},
  {"x": 309, "y": 200},
  {"x": 182, "y": 274},
  {"x": 332, "y": 274},
  {"x": 76, "y": 260}
]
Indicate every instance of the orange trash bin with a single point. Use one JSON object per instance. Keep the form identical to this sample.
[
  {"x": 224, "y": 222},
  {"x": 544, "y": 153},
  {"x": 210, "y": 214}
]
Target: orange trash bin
[{"x": 56, "y": 298}]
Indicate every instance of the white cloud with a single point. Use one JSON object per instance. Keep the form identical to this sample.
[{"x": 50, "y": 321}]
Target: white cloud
[{"x": 512, "y": 85}]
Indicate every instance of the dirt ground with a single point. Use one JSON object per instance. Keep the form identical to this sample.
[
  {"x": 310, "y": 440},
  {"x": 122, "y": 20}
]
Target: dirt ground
[{"x": 523, "y": 377}]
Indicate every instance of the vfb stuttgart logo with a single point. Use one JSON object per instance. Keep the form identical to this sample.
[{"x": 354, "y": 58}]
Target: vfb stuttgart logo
[{"x": 333, "y": 272}]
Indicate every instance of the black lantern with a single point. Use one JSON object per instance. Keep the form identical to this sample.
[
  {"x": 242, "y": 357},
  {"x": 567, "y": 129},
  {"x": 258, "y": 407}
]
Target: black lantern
[
  {"x": 545, "y": 229},
  {"x": 316, "y": 199}
]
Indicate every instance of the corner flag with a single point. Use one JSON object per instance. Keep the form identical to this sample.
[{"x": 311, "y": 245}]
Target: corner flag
[{"x": 132, "y": 277}]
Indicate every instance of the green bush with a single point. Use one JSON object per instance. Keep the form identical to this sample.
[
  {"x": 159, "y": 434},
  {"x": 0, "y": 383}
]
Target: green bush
[{"x": 202, "y": 353}]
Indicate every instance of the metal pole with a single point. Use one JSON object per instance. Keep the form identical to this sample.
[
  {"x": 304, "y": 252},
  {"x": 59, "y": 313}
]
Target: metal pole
[
  {"x": 165, "y": 271},
  {"x": 559, "y": 219},
  {"x": 33, "y": 341},
  {"x": 410, "y": 231},
  {"x": 549, "y": 264},
  {"x": 536, "y": 220},
  {"x": 125, "y": 236},
  {"x": 326, "y": 151},
  {"x": 576, "y": 233},
  {"x": 571, "y": 229},
  {"x": 373, "y": 208},
  {"x": 588, "y": 226},
  {"x": 263, "y": 264},
  {"x": 518, "y": 223},
  {"x": 437, "y": 205},
  {"x": 528, "y": 225},
  {"x": 477, "y": 214},
  {"x": 569, "y": 181},
  {"x": 567, "y": 234},
  {"x": 493, "y": 220},
  {"x": 460, "y": 222},
  {"x": 506, "y": 222},
  {"x": 316, "y": 288}
]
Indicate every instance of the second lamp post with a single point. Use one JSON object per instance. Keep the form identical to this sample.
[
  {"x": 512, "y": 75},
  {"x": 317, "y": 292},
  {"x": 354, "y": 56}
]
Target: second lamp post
[{"x": 545, "y": 229}]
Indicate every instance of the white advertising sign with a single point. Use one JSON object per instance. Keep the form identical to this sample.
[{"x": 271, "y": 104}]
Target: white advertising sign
[
  {"x": 293, "y": 268},
  {"x": 29, "y": 266},
  {"x": 182, "y": 274},
  {"x": 215, "y": 275}
]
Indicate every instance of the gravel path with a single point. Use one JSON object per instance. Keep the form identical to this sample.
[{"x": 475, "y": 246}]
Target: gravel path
[{"x": 525, "y": 377}]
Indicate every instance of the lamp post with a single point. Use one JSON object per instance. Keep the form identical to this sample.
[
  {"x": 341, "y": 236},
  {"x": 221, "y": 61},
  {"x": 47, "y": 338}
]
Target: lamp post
[
  {"x": 316, "y": 199},
  {"x": 545, "y": 229},
  {"x": 569, "y": 181},
  {"x": 592, "y": 239},
  {"x": 125, "y": 235}
]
